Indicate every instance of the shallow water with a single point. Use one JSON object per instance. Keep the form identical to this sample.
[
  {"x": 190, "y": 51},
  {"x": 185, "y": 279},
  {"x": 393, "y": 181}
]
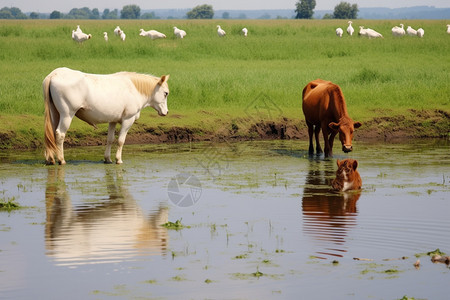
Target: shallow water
[{"x": 263, "y": 223}]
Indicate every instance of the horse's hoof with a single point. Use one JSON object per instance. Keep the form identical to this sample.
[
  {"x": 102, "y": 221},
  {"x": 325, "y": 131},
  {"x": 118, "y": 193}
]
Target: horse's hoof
[{"x": 107, "y": 162}]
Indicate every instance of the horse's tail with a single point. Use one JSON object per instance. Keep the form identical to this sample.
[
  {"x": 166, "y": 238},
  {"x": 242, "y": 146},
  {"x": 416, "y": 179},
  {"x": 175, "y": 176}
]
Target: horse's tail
[{"x": 51, "y": 118}]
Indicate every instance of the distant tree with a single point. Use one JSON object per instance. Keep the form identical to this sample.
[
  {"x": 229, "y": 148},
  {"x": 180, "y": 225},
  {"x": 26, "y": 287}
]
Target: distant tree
[
  {"x": 150, "y": 15},
  {"x": 305, "y": 9},
  {"x": 130, "y": 12},
  {"x": 107, "y": 14},
  {"x": 327, "y": 16},
  {"x": 79, "y": 13},
  {"x": 204, "y": 11},
  {"x": 95, "y": 14},
  {"x": 55, "y": 15},
  {"x": 345, "y": 10},
  {"x": 12, "y": 13},
  {"x": 226, "y": 15},
  {"x": 265, "y": 16},
  {"x": 34, "y": 15},
  {"x": 242, "y": 16},
  {"x": 5, "y": 13}
]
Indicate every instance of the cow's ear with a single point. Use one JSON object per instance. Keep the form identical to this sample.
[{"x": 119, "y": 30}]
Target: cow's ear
[
  {"x": 357, "y": 124},
  {"x": 334, "y": 126},
  {"x": 355, "y": 164}
]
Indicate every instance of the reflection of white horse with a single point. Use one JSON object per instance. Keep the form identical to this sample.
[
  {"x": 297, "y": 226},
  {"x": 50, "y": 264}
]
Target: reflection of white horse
[
  {"x": 95, "y": 99},
  {"x": 114, "y": 229}
]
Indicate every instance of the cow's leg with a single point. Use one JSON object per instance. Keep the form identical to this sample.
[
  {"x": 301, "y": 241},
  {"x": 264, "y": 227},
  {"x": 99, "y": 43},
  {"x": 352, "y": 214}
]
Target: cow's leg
[
  {"x": 63, "y": 126},
  {"x": 325, "y": 133},
  {"x": 310, "y": 133},
  {"x": 126, "y": 125},
  {"x": 109, "y": 141},
  {"x": 316, "y": 133},
  {"x": 331, "y": 141}
]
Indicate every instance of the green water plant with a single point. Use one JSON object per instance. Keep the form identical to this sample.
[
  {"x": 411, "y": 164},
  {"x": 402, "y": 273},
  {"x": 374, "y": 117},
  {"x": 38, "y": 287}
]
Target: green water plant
[
  {"x": 9, "y": 204},
  {"x": 175, "y": 225}
]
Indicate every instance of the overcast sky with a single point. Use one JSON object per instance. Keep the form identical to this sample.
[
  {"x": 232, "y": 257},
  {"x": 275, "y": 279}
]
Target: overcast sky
[{"x": 66, "y": 6}]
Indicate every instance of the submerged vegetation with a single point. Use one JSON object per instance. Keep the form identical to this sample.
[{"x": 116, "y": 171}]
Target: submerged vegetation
[
  {"x": 229, "y": 84},
  {"x": 9, "y": 204},
  {"x": 175, "y": 225}
]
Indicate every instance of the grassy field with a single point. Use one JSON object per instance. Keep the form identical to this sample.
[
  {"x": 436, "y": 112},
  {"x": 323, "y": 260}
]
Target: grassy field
[{"x": 216, "y": 81}]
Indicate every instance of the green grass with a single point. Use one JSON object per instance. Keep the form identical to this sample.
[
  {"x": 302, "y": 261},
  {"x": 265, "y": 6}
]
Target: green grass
[{"x": 213, "y": 79}]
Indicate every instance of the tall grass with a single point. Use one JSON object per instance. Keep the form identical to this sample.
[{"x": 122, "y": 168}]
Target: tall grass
[{"x": 225, "y": 74}]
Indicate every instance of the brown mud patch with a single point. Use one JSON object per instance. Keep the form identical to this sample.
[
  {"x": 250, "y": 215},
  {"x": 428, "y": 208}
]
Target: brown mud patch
[{"x": 414, "y": 124}]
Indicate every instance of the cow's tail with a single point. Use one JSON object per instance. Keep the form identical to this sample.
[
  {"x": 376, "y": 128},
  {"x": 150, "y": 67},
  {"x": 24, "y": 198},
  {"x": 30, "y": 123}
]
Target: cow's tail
[{"x": 51, "y": 118}]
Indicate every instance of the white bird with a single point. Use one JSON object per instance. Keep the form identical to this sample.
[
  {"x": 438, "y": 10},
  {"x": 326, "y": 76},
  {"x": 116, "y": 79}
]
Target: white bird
[
  {"x": 420, "y": 32},
  {"x": 78, "y": 29},
  {"x": 339, "y": 32},
  {"x": 448, "y": 28},
  {"x": 370, "y": 33},
  {"x": 398, "y": 31},
  {"x": 220, "y": 31},
  {"x": 105, "y": 36},
  {"x": 117, "y": 31},
  {"x": 350, "y": 29},
  {"x": 122, "y": 35},
  {"x": 80, "y": 37},
  {"x": 245, "y": 31},
  {"x": 410, "y": 31},
  {"x": 153, "y": 34},
  {"x": 179, "y": 33}
]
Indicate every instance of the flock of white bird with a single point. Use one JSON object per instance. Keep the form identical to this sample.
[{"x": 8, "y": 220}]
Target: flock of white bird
[
  {"x": 79, "y": 36},
  {"x": 397, "y": 31}
]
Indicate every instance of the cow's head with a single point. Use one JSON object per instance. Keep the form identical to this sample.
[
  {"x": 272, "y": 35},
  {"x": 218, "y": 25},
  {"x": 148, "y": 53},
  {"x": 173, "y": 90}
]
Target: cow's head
[
  {"x": 159, "y": 97},
  {"x": 345, "y": 127}
]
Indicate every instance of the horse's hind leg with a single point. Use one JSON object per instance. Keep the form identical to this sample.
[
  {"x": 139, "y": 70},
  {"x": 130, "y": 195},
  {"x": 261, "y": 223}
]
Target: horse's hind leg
[
  {"x": 109, "y": 141},
  {"x": 63, "y": 126}
]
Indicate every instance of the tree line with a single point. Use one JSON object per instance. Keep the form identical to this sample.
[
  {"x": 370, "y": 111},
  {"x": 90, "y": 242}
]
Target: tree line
[
  {"x": 128, "y": 12},
  {"x": 344, "y": 10},
  {"x": 304, "y": 10}
]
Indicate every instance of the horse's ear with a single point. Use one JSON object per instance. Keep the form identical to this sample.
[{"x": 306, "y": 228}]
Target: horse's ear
[
  {"x": 163, "y": 79},
  {"x": 355, "y": 164},
  {"x": 357, "y": 124},
  {"x": 338, "y": 162}
]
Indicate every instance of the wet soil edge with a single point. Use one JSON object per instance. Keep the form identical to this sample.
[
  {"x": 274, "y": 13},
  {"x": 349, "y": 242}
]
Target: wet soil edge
[{"x": 418, "y": 124}]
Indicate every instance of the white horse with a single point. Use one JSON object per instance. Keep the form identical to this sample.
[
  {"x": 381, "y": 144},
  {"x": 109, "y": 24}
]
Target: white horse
[{"x": 95, "y": 99}]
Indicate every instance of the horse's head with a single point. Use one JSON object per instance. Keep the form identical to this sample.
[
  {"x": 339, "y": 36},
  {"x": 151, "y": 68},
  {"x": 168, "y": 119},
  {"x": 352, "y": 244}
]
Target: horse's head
[
  {"x": 159, "y": 98},
  {"x": 345, "y": 127}
]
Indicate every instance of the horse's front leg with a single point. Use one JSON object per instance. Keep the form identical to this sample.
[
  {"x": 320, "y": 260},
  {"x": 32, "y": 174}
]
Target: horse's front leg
[
  {"x": 126, "y": 125},
  {"x": 109, "y": 142}
]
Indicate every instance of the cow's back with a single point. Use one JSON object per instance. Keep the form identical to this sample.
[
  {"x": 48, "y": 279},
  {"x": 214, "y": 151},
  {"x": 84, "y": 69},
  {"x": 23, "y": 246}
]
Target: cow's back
[{"x": 315, "y": 100}]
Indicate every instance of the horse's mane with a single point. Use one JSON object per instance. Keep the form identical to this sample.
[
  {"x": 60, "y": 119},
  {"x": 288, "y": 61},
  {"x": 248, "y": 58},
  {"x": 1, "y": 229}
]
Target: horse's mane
[{"x": 144, "y": 83}]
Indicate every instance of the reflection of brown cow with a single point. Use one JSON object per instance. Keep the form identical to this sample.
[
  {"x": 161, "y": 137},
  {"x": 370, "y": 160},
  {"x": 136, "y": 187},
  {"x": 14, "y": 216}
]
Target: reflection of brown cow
[
  {"x": 324, "y": 108},
  {"x": 327, "y": 216},
  {"x": 347, "y": 177},
  {"x": 110, "y": 230}
]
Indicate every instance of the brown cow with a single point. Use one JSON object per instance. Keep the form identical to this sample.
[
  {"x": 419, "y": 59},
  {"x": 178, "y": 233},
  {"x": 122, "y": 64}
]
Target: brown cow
[
  {"x": 324, "y": 108},
  {"x": 347, "y": 177}
]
